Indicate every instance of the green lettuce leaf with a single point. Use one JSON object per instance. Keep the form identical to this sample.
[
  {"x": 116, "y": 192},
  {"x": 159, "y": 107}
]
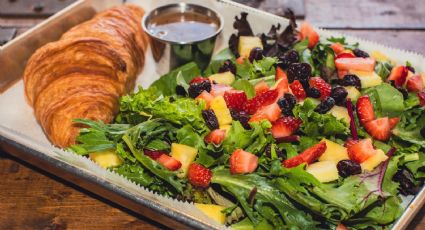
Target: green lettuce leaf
[
  {"x": 218, "y": 60},
  {"x": 261, "y": 68}
]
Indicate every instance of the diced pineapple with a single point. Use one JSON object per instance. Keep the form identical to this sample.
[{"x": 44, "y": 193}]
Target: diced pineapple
[
  {"x": 247, "y": 43},
  {"x": 106, "y": 159},
  {"x": 226, "y": 78},
  {"x": 378, "y": 56},
  {"x": 218, "y": 104},
  {"x": 353, "y": 93},
  {"x": 213, "y": 211},
  {"x": 185, "y": 154},
  {"x": 368, "y": 79},
  {"x": 324, "y": 171},
  {"x": 334, "y": 152},
  {"x": 374, "y": 160},
  {"x": 226, "y": 128},
  {"x": 340, "y": 113}
]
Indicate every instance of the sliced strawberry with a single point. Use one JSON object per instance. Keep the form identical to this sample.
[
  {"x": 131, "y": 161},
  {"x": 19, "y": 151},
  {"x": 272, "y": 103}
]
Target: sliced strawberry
[
  {"x": 337, "y": 48},
  {"x": 342, "y": 73},
  {"x": 240, "y": 60},
  {"x": 307, "y": 31},
  {"x": 394, "y": 121},
  {"x": 345, "y": 55},
  {"x": 219, "y": 89},
  {"x": 398, "y": 75},
  {"x": 198, "y": 80},
  {"x": 308, "y": 156},
  {"x": 207, "y": 97},
  {"x": 361, "y": 151},
  {"x": 261, "y": 87},
  {"x": 235, "y": 99},
  {"x": 242, "y": 162},
  {"x": 282, "y": 86},
  {"x": 285, "y": 126},
  {"x": 365, "y": 109},
  {"x": 421, "y": 96},
  {"x": 280, "y": 74},
  {"x": 340, "y": 226},
  {"x": 198, "y": 175},
  {"x": 350, "y": 142},
  {"x": 298, "y": 90},
  {"x": 216, "y": 136},
  {"x": 169, "y": 162},
  {"x": 270, "y": 112},
  {"x": 380, "y": 129},
  {"x": 322, "y": 86},
  {"x": 260, "y": 101},
  {"x": 415, "y": 83},
  {"x": 361, "y": 64},
  {"x": 153, "y": 154}
]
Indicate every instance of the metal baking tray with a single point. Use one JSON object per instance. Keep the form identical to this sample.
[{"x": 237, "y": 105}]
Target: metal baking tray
[{"x": 21, "y": 136}]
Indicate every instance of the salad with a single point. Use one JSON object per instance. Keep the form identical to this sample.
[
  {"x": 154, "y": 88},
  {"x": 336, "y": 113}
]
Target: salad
[{"x": 283, "y": 130}]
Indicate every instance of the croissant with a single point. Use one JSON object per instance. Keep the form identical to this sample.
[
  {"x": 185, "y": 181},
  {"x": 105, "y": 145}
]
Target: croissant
[{"x": 83, "y": 74}]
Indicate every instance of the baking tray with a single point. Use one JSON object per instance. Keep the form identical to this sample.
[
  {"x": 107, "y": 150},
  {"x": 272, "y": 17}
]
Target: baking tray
[{"x": 21, "y": 136}]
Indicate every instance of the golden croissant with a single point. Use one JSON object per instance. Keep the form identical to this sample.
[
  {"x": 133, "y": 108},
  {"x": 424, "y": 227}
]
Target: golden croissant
[{"x": 83, "y": 74}]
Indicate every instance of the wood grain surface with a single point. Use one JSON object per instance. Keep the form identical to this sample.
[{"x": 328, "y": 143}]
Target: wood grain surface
[{"x": 33, "y": 199}]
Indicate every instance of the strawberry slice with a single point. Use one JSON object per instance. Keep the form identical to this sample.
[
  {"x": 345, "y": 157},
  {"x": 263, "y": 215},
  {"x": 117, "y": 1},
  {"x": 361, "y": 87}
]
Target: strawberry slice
[
  {"x": 361, "y": 151},
  {"x": 198, "y": 175},
  {"x": 216, "y": 136},
  {"x": 380, "y": 129},
  {"x": 322, "y": 86},
  {"x": 235, "y": 99},
  {"x": 242, "y": 162},
  {"x": 240, "y": 60},
  {"x": 365, "y": 109},
  {"x": 307, "y": 31},
  {"x": 280, "y": 74},
  {"x": 169, "y": 162},
  {"x": 341, "y": 226},
  {"x": 421, "y": 96},
  {"x": 271, "y": 112},
  {"x": 398, "y": 75},
  {"x": 285, "y": 126},
  {"x": 345, "y": 55},
  {"x": 342, "y": 73},
  {"x": 357, "y": 63},
  {"x": 415, "y": 83},
  {"x": 219, "y": 89},
  {"x": 260, "y": 101},
  {"x": 198, "y": 80},
  {"x": 337, "y": 48},
  {"x": 154, "y": 154},
  {"x": 308, "y": 156},
  {"x": 350, "y": 142},
  {"x": 282, "y": 85},
  {"x": 207, "y": 97},
  {"x": 261, "y": 87},
  {"x": 394, "y": 121},
  {"x": 298, "y": 90}
]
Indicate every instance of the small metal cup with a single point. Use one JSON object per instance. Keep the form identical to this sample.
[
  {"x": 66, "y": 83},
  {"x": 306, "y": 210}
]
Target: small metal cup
[{"x": 182, "y": 52}]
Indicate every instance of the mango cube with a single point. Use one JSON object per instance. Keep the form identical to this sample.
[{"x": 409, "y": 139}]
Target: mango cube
[
  {"x": 106, "y": 159},
  {"x": 213, "y": 211},
  {"x": 218, "y": 104}
]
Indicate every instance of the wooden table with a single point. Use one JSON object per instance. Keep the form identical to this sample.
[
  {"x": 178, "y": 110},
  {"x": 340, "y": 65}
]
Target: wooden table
[{"x": 33, "y": 199}]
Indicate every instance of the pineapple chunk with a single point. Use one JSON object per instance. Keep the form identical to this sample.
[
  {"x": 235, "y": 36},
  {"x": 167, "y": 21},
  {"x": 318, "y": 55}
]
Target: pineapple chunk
[
  {"x": 106, "y": 159},
  {"x": 218, "y": 104},
  {"x": 226, "y": 78},
  {"x": 368, "y": 79},
  {"x": 378, "y": 56},
  {"x": 226, "y": 128},
  {"x": 334, "y": 152},
  {"x": 213, "y": 211},
  {"x": 374, "y": 160},
  {"x": 247, "y": 43},
  {"x": 340, "y": 113},
  {"x": 324, "y": 171},
  {"x": 353, "y": 93},
  {"x": 185, "y": 154}
]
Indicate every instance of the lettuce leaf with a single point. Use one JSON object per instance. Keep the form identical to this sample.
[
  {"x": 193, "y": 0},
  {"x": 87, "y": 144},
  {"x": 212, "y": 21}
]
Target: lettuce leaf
[
  {"x": 261, "y": 68},
  {"x": 408, "y": 129},
  {"x": 218, "y": 60}
]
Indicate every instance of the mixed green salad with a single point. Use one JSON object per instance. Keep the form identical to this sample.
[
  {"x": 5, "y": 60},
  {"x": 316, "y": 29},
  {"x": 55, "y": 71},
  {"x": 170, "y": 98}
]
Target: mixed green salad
[{"x": 283, "y": 130}]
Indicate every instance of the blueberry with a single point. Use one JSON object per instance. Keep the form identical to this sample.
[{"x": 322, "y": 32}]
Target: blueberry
[
  {"x": 348, "y": 167},
  {"x": 227, "y": 66},
  {"x": 197, "y": 88},
  {"x": 325, "y": 105},
  {"x": 299, "y": 71},
  {"x": 313, "y": 92},
  {"x": 288, "y": 58},
  {"x": 287, "y": 103},
  {"x": 360, "y": 53},
  {"x": 339, "y": 94},
  {"x": 411, "y": 69},
  {"x": 210, "y": 119},
  {"x": 351, "y": 80},
  {"x": 255, "y": 54},
  {"x": 242, "y": 117}
]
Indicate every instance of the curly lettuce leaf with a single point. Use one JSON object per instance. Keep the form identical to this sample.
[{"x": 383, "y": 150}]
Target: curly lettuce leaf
[
  {"x": 261, "y": 68},
  {"x": 408, "y": 129}
]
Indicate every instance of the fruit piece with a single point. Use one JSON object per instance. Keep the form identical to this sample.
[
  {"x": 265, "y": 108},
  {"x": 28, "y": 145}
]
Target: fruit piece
[
  {"x": 240, "y": 60},
  {"x": 242, "y": 162},
  {"x": 348, "y": 167},
  {"x": 198, "y": 86},
  {"x": 339, "y": 94},
  {"x": 261, "y": 87},
  {"x": 313, "y": 92},
  {"x": 323, "y": 171},
  {"x": 226, "y": 78},
  {"x": 242, "y": 117},
  {"x": 353, "y": 93},
  {"x": 345, "y": 55},
  {"x": 226, "y": 129},
  {"x": 377, "y": 55},
  {"x": 198, "y": 175},
  {"x": 361, "y": 151},
  {"x": 247, "y": 43},
  {"x": 210, "y": 119},
  {"x": 361, "y": 64},
  {"x": 340, "y": 113},
  {"x": 307, "y": 31},
  {"x": 298, "y": 90},
  {"x": 394, "y": 121},
  {"x": 350, "y": 142},
  {"x": 169, "y": 162},
  {"x": 106, "y": 159},
  {"x": 398, "y": 75},
  {"x": 337, "y": 48},
  {"x": 219, "y": 89},
  {"x": 197, "y": 80},
  {"x": 334, "y": 152},
  {"x": 270, "y": 112},
  {"x": 153, "y": 154},
  {"x": 255, "y": 54},
  {"x": 216, "y": 136},
  {"x": 235, "y": 99},
  {"x": 351, "y": 80},
  {"x": 299, "y": 71},
  {"x": 379, "y": 129},
  {"x": 280, "y": 74},
  {"x": 374, "y": 160},
  {"x": 423, "y": 78},
  {"x": 287, "y": 103},
  {"x": 288, "y": 58},
  {"x": 213, "y": 211},
  {"x": 285, "y": 126},
  {"x": 421, "y": 96},
  {"x": 218, "y": 104},
  {"x": 365, "y": 109},
  {"x": 360, "y": 53},
  {"x": 207, "y": 97},
  {"x": 371, "y": 81},
  {"x": 415, "y": 83},
  {"x": 260, "y": 101},
  {"x": 308, "y": 156},
  {"x": 322, "y": 86},
  {"x": 185, "y": 154},
  {"x": 282, "y": 86},
  {"x": 227, "y": 66},
  {"x": 341, "y": 226},
  {"x": 326, "y": 105}
]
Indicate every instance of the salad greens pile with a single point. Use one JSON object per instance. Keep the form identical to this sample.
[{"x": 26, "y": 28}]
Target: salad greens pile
[{"x": 273, "y": 194}]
